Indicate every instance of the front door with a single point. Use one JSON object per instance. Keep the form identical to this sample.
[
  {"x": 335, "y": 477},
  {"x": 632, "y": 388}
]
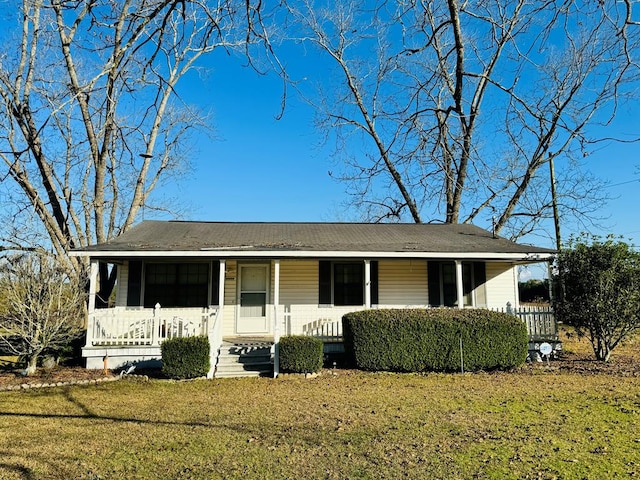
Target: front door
[{"x": 253, "y": 290}]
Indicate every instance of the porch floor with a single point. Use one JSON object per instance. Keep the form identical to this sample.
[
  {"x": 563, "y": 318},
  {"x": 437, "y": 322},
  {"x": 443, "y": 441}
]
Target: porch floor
[{"x": 254, "y": 340}]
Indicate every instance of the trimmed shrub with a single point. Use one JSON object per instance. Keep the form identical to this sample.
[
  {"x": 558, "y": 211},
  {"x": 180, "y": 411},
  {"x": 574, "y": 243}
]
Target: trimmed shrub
[
  {"x": 185, "y": 357},
  {"x": 300, "y": 354},
  {"x": 417, "y": 340}
]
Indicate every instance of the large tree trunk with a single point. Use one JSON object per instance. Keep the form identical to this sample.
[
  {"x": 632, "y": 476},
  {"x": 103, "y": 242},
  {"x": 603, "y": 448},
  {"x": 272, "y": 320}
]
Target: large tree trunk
[{"x": 32, "y": 364}]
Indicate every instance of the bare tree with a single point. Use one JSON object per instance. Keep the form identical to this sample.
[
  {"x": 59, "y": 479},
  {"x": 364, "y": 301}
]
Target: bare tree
[
  {"x": 90, "y": 122},
  {"x": 42, "y": 306},
  {"x": 450, "y": 111}
]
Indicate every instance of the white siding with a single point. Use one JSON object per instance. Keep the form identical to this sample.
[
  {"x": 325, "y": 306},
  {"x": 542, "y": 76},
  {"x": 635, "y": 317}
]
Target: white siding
[
  {"x": 299, "y": 282},
  {"x": 122, "y": 284},
  {"x": 229, "y": 309},
  {"x": 501, "y": 285},
  {"x": 402, "y": 283}
]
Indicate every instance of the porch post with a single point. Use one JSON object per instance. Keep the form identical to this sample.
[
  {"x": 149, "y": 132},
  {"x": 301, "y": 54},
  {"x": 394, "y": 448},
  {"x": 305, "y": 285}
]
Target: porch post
[
  {"x": 367, "y": 283},
  {"x": 214, "y": 326},
  {"x": 276, "y": 322},
  {"x": 223, "y": 267},
  {"x": 459, "y": 288},
  {"x": 91, "y": 308}
]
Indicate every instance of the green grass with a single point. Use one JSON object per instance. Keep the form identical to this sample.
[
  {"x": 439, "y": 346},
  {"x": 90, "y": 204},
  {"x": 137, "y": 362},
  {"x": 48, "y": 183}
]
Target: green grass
[{"x": 532, "y": 424}]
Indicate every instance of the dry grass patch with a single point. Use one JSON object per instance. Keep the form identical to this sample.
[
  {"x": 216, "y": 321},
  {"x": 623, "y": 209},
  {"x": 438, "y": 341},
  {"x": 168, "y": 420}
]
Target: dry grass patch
[
  {"x": 353, "y": 425},
  {"x": 538, "y": 422}
]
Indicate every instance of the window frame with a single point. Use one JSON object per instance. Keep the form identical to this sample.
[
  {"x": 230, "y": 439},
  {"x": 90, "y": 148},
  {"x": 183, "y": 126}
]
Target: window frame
[
  {"x": 473, "y": 277},
  {"x": 328, "y": 281},
  {"x": 138, "y": 285}
]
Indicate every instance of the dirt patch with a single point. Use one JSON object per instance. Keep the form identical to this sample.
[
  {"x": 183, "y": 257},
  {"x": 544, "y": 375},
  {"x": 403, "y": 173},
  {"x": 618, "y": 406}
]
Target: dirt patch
[
  {"x": 577, "y": 357},
  {"x": 49, "y": 376}
]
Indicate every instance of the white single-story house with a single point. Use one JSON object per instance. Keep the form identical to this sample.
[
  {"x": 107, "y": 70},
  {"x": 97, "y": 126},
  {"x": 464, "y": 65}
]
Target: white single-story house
[{"x": 250, "y": 283}]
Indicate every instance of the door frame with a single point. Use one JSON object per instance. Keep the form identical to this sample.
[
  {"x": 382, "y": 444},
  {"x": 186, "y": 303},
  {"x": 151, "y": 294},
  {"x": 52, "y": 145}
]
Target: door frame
[{"x": 238, "y": 316}]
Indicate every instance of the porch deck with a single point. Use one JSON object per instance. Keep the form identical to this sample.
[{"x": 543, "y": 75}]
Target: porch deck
[{"x": 124, "y": 335}]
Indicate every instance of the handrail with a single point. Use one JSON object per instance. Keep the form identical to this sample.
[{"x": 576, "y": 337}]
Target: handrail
[{"x": 214, "y": 332}]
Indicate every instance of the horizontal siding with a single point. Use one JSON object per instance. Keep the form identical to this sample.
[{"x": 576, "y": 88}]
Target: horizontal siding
[
  {"x": 402, "y": 283},
  {"x": 299, "y": 282},
  {"x": 123, "y": 282},
  {"x": 501, "y": 287},
  {"x": 229, "y": 310}
]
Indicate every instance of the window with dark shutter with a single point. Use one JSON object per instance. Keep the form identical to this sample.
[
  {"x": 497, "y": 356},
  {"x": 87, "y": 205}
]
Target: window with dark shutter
[
  {"x": 442, "y": 283},
  {"x": 342, "y": 283},
  {"x": 176, "y": 284}
]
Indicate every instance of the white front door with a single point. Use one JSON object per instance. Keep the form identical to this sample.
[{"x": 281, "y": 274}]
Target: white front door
[{"x": 253, "y": 292}]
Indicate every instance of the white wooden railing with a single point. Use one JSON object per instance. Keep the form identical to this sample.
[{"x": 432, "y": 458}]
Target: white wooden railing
[
  {"x": 325, "y": 329},
  {"x": 123, "y": 326},
  {"x": 540, "y": 320}
]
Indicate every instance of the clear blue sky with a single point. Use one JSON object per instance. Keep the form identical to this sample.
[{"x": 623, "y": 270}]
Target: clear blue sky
[{"x": 257, "y": 168}]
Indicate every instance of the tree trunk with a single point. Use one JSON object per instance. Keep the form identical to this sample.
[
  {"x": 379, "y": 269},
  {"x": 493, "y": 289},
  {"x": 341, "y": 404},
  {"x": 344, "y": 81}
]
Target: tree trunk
[{"x": 32, "y": 364}]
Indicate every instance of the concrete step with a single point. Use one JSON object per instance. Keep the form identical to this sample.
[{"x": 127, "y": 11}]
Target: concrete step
[{"x": 236, "y": 360}]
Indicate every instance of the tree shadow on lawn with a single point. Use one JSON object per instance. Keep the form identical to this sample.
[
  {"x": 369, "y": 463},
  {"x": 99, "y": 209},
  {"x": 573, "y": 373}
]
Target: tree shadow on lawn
[
  {"x": 20, "y": 470},
  {"x": 89, "y": 414}
]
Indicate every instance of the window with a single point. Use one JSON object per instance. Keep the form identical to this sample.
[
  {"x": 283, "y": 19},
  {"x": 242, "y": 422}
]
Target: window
[
  {"x": 442, "y": 284},
  {"x": 176, "y": 284},
  {"x": 342, "y": 283}
]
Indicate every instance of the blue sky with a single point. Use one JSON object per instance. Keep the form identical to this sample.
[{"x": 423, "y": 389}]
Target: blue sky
[{"x": 257, "y": 168}]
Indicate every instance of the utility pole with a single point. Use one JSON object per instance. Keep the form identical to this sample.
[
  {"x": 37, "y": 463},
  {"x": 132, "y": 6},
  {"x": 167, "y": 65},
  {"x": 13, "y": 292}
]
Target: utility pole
[
  {"x": 554, "y": 200},
  {"x": 556, "y": 221}
]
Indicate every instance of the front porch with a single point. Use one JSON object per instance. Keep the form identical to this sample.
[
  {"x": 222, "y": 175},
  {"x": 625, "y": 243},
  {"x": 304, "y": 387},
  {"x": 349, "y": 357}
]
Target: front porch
[{"x": 121, "y": 336}]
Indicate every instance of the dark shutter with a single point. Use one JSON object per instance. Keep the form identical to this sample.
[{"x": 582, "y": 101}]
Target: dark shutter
[
  {"x": 374, "y": 282},
  {"x": 215, "y": 282},
  {"x": 479, "y": 273},
  {"x": 433, "y": 273},
  {"x": 324, "y": 282},
  {"x": 134, "y": 285}
]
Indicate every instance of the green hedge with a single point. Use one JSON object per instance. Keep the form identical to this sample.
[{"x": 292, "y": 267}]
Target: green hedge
[
  {"x": 300, "y": 354},
  {"x": 417, "y": 340},
  {"x": 186, "y": 357}
]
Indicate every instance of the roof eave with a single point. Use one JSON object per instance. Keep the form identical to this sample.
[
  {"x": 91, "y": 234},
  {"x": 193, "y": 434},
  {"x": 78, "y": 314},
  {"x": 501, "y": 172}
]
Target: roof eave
[{"x": 521, "y": 257}]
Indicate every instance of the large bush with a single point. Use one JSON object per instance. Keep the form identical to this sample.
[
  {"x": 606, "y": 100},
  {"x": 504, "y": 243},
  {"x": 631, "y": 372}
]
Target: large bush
[
  {"x": 416, "y": 340},
  {"x": 300, "y": 354},
  {"x": 599, "y": 291},
  {"x": 185, "y": 357}
]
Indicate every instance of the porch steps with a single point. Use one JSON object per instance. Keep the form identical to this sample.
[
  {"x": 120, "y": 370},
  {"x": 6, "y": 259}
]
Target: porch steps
[{"x": 244, "y": 360}]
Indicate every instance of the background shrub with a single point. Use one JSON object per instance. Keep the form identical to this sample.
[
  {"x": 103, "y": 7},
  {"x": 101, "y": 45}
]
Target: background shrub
[
  {"x": 416, "y": 340},
  {"x": 186, "y": 357},
  {"x": 300, "y": 354}
]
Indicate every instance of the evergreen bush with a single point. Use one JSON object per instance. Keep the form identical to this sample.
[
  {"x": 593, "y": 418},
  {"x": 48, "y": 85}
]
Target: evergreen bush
[
  {"x": 417, "y": 340},
  {"x": 300, "y": 354},
  {"x": 185, "y": 357}
]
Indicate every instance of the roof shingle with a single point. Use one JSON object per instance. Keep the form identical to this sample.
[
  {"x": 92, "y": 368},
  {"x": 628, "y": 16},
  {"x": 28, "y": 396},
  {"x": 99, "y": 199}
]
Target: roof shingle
[{"x": 179, "y": 236}]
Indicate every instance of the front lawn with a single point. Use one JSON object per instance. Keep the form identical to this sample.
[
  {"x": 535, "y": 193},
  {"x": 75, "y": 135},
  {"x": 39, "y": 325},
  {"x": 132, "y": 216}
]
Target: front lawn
[
  {"x": 534, "y": 424},
  {"x": 574, "y": 419}
]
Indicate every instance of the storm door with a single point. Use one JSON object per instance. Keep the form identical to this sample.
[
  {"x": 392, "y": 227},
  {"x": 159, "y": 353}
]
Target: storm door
[{"x": 253, "y": 292}]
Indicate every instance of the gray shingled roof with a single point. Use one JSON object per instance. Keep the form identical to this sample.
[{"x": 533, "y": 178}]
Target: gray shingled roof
[{"x": 178, "y": 236}]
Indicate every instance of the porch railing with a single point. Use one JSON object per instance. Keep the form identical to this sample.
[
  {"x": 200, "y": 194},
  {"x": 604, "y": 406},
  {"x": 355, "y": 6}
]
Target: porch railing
[
  {"x": 540, "y": 320},
  {"x": 326, "y": 330},
  {"x": 123, "y": 326}
]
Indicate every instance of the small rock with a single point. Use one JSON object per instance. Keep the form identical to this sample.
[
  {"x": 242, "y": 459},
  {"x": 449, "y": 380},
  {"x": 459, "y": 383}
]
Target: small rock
[{"x": 49, "y": 362}]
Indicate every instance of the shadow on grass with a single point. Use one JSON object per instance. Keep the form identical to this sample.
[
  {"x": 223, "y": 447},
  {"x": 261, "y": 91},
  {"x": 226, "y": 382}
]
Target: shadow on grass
[
  {"x": 23, "y": 472},
  {"x": 89, "y": 414}
]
